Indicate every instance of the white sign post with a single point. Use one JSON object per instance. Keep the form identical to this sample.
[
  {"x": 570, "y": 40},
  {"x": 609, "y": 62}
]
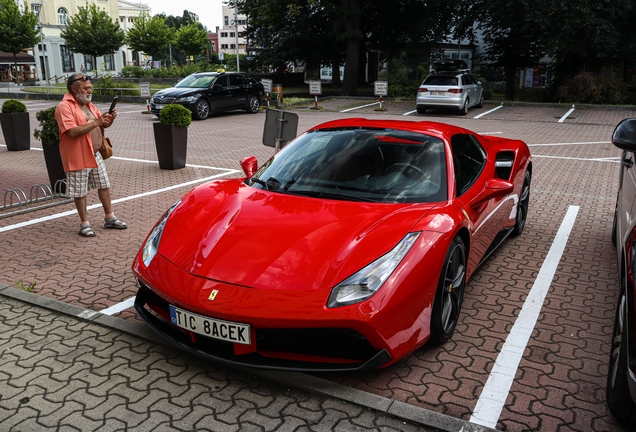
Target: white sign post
[
  {"x": 144, "y": 91},
  {"x": 267, "y": 87},
  {"x": 315, "y": 89},
  {"x": 381, "y": 88}
]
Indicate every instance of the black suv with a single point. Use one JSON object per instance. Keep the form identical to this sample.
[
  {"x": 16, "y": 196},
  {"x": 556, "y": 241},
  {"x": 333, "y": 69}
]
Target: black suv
[
  {"x": 208, "y": 92},
  {"x": 621, "y": 378}
]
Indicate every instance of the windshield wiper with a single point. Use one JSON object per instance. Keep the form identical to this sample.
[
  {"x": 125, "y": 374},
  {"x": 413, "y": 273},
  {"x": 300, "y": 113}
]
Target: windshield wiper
[
  {"x": 292, "y": 181},
  {"x": 326, "y": 194},
  {"x": 260, "y": 182}
]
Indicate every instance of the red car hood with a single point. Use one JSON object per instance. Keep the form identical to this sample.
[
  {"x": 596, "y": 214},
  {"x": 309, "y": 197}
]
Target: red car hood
[{"x": 230, "y": 232}]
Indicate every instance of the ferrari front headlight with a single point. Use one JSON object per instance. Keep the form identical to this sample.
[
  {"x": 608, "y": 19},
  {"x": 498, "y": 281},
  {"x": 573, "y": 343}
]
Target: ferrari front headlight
[
  {"x": 368, "y": 281},
  {"x": 151, "y": 246}
]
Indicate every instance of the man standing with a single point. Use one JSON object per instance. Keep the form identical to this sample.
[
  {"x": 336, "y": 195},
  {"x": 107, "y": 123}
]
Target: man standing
[{"x": 81, "y": 127}]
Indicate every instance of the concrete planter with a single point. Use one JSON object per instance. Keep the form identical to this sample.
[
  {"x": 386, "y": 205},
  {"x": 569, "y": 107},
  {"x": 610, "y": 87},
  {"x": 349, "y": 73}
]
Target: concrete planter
[
  {"x": 16, "y": 130},
  {"x": 171, "y": 143}
]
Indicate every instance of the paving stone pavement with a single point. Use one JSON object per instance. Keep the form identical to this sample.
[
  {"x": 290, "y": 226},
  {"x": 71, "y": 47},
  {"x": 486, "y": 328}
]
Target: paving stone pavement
[
  {"x": 560, "y": 381},
  {"x": 59, "y": 372}
]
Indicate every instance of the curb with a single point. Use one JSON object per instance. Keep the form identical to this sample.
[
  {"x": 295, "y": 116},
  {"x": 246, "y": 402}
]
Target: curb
[{"x": 400, "y": 410}]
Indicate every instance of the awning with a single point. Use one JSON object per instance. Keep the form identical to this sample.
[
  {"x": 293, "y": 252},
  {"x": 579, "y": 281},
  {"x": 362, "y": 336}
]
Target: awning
[{"x": 22, "y": 58}]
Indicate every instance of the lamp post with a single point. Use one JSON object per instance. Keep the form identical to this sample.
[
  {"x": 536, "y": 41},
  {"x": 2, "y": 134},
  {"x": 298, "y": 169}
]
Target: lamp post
[
  {"x": 238, "y": 69},
  {"x": 36, "y": 7}
]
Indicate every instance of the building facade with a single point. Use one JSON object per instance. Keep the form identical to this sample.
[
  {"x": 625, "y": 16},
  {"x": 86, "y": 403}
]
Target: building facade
[
  {"x": 53, "y": 58},
  {"x": 234, "y": 25}
]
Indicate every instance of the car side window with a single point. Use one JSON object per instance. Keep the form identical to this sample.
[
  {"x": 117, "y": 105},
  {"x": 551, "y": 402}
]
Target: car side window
[
  {"x": 222, "y": 81},
  {"x": 236, "y": 80},
  {"x": 468, "y": 160}
]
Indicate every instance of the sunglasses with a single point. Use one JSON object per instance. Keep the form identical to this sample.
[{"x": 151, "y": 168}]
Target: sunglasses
[{"x": 80, "y": 78}]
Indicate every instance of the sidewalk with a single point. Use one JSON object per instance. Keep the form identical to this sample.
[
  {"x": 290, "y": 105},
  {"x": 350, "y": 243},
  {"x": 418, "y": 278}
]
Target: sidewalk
[{"x": 60, "y": 371}]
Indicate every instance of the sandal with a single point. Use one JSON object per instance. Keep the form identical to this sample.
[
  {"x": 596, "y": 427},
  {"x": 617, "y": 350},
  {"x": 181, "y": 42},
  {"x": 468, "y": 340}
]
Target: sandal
[
  {"x": 86, "y": 231},
  {"x": 114, "y": 223}
]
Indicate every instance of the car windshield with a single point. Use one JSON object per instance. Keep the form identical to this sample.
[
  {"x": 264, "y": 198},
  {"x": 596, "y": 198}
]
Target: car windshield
[
  {"x": 440, "y": 80},
  {"x": 196, "y": 81},
  {"x": 375, "y": 165}
]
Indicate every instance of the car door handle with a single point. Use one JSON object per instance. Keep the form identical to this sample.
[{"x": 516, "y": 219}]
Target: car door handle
[{"x": 628, "y": 163}]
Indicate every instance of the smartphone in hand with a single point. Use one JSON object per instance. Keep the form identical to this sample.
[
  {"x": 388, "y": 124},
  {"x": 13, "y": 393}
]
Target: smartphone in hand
[{"x": 113, "y": 104}]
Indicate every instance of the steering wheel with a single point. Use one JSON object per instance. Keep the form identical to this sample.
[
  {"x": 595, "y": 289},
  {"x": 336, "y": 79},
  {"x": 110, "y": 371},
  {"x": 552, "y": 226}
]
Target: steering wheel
[{"x": 407, "y": 167}]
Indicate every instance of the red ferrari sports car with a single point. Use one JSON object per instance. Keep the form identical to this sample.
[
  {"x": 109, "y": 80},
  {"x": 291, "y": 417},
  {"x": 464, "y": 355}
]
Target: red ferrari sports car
[{"x": 347, "y": 250}]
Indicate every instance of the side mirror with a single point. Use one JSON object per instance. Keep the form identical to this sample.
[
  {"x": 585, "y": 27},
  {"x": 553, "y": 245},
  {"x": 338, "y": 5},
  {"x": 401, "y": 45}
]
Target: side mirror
[
  {"x": 624, "y": 136},
  {"x": 495, "y": 188},
  {"x": 249, "y": 165}
]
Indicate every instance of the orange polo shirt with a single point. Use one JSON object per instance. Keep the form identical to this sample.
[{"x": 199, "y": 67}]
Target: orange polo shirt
[{"x": 77, "y": 153}]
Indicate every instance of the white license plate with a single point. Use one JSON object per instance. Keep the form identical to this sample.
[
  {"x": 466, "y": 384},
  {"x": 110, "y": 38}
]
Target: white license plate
[
  {"x": 438, "y": 93},
  {"x": 214, "y": 328},
  {"x": 159, "y": 106}
]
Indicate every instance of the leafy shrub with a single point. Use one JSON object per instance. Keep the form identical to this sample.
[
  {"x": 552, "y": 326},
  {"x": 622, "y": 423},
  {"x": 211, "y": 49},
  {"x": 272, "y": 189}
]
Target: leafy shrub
[
  {"x": 176, "y": 115},
  {"x": 106, "y": 86},
  {"x": 49, "y": 132},
  {"x": 594, "y": 89},
  {"x": 530, "y": 94},
  {"x": 11, "y": 106}
]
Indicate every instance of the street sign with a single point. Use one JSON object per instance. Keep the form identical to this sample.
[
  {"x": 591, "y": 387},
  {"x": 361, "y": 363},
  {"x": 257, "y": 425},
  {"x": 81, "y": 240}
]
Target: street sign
[
  {"x": 381, "y": 88},
  {"x": 221, "y": 56},
  {"x": 267, "y": 85},
  {"x": 315, "y": 88},
  {"x": 280, "y": 128},
  {"x": 144, "y": 89}
]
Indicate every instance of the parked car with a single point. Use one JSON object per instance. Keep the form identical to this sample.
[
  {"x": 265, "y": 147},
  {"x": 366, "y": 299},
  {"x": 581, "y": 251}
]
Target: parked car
[
  {"x": 456, "y": 90},
  {"x": 347, "y": 250},
  {"x": 621, "y": 378},
  {"x": 205, "y": 93}
]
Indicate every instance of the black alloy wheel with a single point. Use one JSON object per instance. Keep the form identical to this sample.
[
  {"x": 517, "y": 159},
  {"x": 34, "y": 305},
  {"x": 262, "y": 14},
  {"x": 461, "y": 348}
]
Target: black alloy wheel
[
  {"x": 450, "y": 293},
  {"x": 481, "y": 100},
  {"x": 522, "y": 206},
  {"x": 617, "y": 392},
  {"x": 253, "y": 105},
  {"x": 464, "y": 110},
  {"x": 201, "y": 109}
]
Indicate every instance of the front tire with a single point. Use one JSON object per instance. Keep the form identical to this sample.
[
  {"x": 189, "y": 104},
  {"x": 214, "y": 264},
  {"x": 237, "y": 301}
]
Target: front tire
[
  {"x": 201, "y": 109},
  {"x": 450, "y": 293},
  {"x": 253, "y": 105},
  {"x": 421, "y": 109},
  {"x": 617, "y": 393},
  {"x": 523, "y": 205}
]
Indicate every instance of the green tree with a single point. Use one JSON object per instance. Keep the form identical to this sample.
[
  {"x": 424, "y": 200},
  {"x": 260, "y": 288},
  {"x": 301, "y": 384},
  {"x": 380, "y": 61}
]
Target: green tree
[
  {"x": 18, "y": 29},
  {"x": 150, "y": 35},
  {"x": 92, "y": 32},
  {"x": 192, "y": 39}
]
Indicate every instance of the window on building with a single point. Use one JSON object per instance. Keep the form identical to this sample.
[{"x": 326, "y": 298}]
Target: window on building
[
  {"x": 241, "y": 22},
  {"x": 122, "y": 19},
  {"x": 68, "y": 64},
  {"x": 62, "y": 16},
  {"x": 231, "y": 34},
  {"x": 42, "y": 47},
  {"x": 224, "y": 46},
  {"x": 109, "y": 62},
  {"x": 232, "y": 46},
  {"x": 88, "y": 63},
  {"x": 226, "y": 20},
  {"x": 35, "y": 8},
  {"x": 223, "y": 34}
]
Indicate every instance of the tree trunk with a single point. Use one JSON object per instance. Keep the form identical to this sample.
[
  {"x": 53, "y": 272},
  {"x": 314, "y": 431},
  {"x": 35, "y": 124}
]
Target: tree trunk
[
  {"x": 511, "y": 72},
  {"x": 351, "y": 11},
  {"x": 335, "y": 71}
]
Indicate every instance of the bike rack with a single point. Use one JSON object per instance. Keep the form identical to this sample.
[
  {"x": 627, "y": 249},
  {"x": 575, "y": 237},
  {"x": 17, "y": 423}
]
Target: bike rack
[
  {"x": 19, "y": 194},
  {"x": 45, "y": 189},
  {"x": 39, "y": 192}
]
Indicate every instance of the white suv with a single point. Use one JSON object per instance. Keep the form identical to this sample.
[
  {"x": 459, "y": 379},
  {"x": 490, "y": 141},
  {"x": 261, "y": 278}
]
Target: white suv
[{"x": 455, "y": 90}]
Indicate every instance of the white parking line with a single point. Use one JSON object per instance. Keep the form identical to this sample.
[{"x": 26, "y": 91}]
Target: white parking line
[
  {"x": 117, "y": 201},
  {"x": 116, "y": 308},
  {"x": 363, "y": 106},
  {"x": 570, "y": 143},
  {"x": 409, "y": 113},
  {"x": 488, "y": 112},
  {"x": 566, "y": 115},
  {"x": 613, "y": 160},
  {"x": 493, "y": 396}
]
